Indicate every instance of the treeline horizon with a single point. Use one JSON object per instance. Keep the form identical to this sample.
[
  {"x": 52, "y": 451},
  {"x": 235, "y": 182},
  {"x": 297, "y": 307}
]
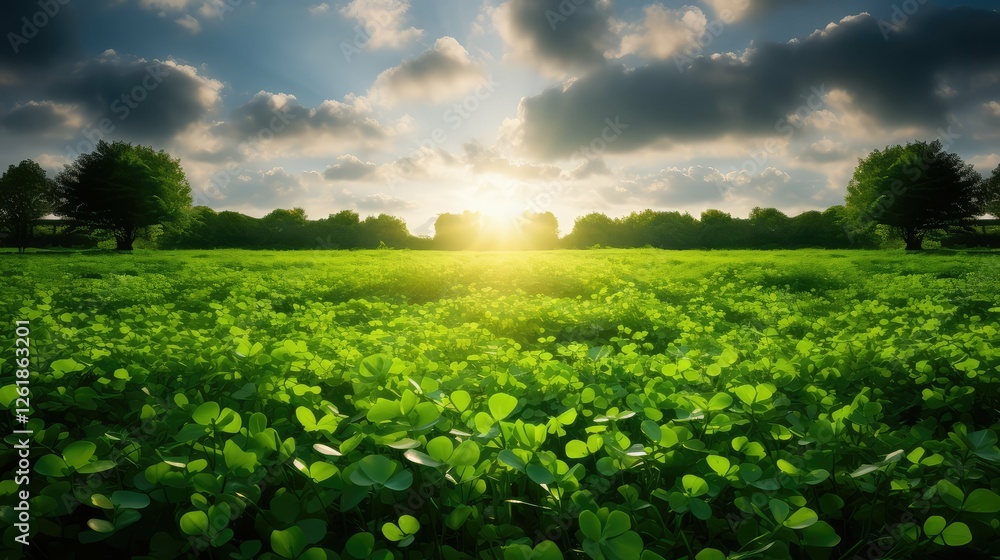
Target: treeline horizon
[
  {"x": 135, "y": 193},
  {"x": 290, "y": 229}
]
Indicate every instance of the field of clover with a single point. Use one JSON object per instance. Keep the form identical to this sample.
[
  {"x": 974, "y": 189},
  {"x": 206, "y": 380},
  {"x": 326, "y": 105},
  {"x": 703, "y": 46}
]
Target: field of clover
[{"x": 604, "y": 404}]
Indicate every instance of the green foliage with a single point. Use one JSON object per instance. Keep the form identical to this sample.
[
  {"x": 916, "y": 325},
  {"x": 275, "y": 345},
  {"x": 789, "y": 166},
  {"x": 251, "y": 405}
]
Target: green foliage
[
  {"x": 25, "y": 196},
  {"x": 613, "y": 404},
  {"x": 473, "y": 230},
  {"x": 765, "y": 228},
  {"x": 914, "y": 189},
  {"x": 123, "y": 189}
]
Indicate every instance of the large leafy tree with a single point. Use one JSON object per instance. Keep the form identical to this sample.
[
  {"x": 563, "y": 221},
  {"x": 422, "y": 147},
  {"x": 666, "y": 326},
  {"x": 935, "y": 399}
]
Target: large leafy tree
[
  {"x": 993, "y": 206},
  {"x": 123, "y": 189},
  {"x": 914, "y": 189},
  {"x": 25, "y": 196},
  {"x": 456, "y": 232},
  {"x": 594, "y": 229},
  {"x": 384, "y": 230}
]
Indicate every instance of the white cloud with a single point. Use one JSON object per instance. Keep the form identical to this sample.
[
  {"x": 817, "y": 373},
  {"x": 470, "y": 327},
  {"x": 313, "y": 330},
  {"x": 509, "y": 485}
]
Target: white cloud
[
  {"x": 442, "y": 72},
  {"x": 384, "y": 21},
  {"x": 729, "y": 11},
  {"x": 349, "y": 168},
  {"x": 206, "y": 9},
  {"x": 381, "y": 202},
  {"x": 190, "y": 23},
  {"x": 319, "y": 9},
  {"x": 663, "y": 31},
  {"x": 697, "y": 185}
]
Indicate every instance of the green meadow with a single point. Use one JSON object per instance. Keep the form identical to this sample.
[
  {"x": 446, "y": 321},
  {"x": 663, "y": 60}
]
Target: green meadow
[{"x": 603, "y": 404}]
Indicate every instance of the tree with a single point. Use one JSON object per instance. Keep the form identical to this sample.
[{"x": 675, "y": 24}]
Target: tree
[
  {"x": 384, "y": 230},
  {"x": 593, "y": 229},
  {"x": 337, "y": 231},
  {"x": 123, "y": 189},
  {"x": 25, "y": 196},
  {"x": 285, "y": 228},
  {"x": 457, "y": 232},
  {"x": 719, "y": 229},
  {"x": 768, "y": 227},
  {"x": 914, "y": 189},
  {"x": 993, "y": 206},
  {"x": 537, "y": 230}
]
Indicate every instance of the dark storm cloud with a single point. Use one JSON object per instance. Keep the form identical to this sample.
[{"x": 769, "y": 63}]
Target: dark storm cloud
[
  {"x": 285, "y": 117},
  {"x": 559, "y": 33},
  {"x": 36, "y": 118},
  {"x": 144, "y": 100},
  {"x": 896, "y": 75},
  {"x": 38, "y": 36},
  {"x": 41, "y": 65}
]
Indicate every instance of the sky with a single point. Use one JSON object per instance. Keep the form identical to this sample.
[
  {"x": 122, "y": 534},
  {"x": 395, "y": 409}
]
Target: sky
[{"x": 415, "y": 108}]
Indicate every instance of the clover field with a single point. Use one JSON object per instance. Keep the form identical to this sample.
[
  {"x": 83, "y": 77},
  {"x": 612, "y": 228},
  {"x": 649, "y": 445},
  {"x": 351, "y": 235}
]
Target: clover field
[{"x": 601, "y": 404}]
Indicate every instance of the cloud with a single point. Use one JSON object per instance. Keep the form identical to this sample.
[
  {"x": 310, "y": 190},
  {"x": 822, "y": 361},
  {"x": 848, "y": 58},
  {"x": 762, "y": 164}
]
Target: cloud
[
  {"x": 730, "y": 11},
  {"x": 144, "y": 100},
  {"x": 590, "y": 168},
  {"x": 52, "y": 163},
  {"x": 206, "y": 9},
  {"x": 42, "y": 118},
  {"x": 381, "y": 202},
  {"x": 113, "y": 97},
  {"x": 163, "y": 6},
  {"x": 423, "y": 163},
  {"x": 555, "y": 35},
  {"x": 190, "y": 23},
  {"x": 349, "y": 168},
  {"x": 319, "y": 9},
  {"x": 263, "y": 191},
  {"x": 758, "y": 94},
  {"x": 662, "y": 32},
  {"x": 278, "y": 121},
  {"x": 824, "y": 151},
  {"x": 442, "y": 72},
  {"x": 482, "y": 161},
  {"x": 30, "y": 52},
  {"x": 383, "y": 20},
  {"x": 992, "y": 108},
  {"x": 702, "y": 186}
]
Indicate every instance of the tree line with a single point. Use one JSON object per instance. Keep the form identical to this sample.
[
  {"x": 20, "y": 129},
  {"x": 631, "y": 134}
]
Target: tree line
[{"x": 129, "y": 192}]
